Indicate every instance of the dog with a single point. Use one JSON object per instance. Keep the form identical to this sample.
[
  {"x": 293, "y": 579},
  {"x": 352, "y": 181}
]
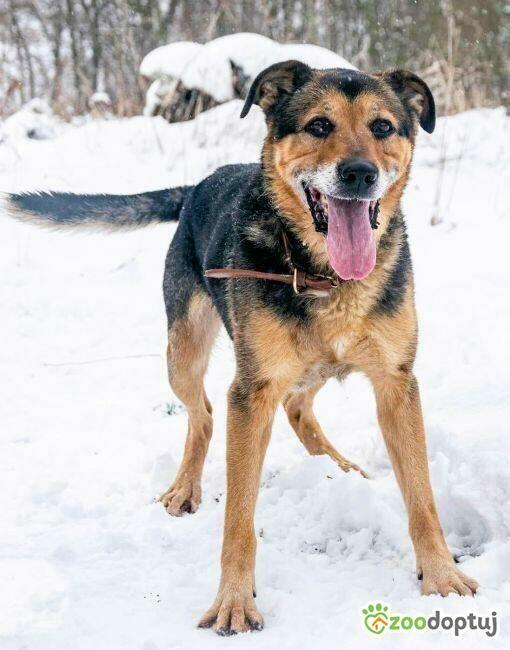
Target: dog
[{"x": 305, "y": 260}]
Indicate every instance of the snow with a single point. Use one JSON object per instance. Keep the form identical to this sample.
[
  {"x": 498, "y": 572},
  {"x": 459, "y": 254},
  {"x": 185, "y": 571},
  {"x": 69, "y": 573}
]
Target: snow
[
  {"x": 169, "y": 60},
  {"x": 251, "y": 52},
  {"x": 35, "y": 120},
  {"x": 212, "y": 74},
  {"x": 254, "y": 52},
  {"x": 150, "y": 152},
  {"x": 100, "y": 98},
  {"x": 90, "y": 561},
  {"x": 193, "y": 65},
  {"x": 314, "y": 56},
  {"x": 156, "y": 92},
  {"x": 207, "y": 67}
]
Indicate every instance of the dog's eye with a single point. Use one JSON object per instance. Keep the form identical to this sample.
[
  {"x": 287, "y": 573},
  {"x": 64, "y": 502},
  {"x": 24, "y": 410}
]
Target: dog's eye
[
  {"x": 382, "y": 128},
  {"x": 320, "y": 127}
]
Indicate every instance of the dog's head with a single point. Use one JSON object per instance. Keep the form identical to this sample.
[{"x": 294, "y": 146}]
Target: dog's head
[{"x": 339, "y": 147}]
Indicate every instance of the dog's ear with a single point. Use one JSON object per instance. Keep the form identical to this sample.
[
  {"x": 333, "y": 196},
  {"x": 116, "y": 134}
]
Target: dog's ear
[
  {"x": 414, "y": 94},
  {"x": 275, "y": 83}
]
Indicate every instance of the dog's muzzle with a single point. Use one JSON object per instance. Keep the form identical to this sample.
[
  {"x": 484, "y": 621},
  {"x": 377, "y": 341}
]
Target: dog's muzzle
[{"x": 318, "y": 206}]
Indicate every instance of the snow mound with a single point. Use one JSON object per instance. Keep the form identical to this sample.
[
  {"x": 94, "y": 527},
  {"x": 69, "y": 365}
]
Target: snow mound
[
  {"x": 169, "y": 60},
  {"x": 253, "y": 53},
  {"x": 100, "y": 98},
  {"x": 208, "y": 68},
  {"x": 34, "y": 120},
  {"x": 210, "y": 73},
  {"x": 156, "y": 93},
  {"x": 314, "y": 56},
  {"x": 193, "y": 65}
]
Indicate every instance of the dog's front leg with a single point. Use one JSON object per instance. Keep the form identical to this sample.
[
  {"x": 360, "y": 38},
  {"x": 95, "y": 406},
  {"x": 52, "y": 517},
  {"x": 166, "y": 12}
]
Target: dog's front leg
[
  {"x": 250, "y": 415},
  {"x": 400, "y": 418}
]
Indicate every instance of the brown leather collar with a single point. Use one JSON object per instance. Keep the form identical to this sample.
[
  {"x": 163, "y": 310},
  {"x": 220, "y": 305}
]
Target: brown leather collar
[{"x": 302, "y": 282}]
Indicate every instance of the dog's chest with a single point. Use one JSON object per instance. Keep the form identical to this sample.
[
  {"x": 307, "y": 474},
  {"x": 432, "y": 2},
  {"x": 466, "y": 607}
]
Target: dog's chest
[
  {"x": 339, "y": 330},
  {"x": 321, "y": 372},
  {"x": 338, "y": 339},
  {"x": 333, "y": 356}
]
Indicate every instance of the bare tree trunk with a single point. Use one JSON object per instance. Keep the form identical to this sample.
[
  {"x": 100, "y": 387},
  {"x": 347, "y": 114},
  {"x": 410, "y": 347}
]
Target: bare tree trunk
[
  {"x": 96, "y": 43},
  {"x": 168, "y": 18},
  {"x": 23, "y": 50},
  {"x": 72, "y": 8}
]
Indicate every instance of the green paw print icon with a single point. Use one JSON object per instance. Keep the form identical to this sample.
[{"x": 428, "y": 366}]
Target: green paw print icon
[{"x": 376, "y": 618}]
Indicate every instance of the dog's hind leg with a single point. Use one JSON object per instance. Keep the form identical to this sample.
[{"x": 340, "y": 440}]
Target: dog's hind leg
[
  {"x": 299, "y": 409},
  {"x": 190, "y": 339}
]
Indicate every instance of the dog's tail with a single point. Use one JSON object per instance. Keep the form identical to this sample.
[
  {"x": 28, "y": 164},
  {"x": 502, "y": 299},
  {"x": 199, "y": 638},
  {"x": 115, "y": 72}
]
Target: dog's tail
[{"x": 114, "y": 211}]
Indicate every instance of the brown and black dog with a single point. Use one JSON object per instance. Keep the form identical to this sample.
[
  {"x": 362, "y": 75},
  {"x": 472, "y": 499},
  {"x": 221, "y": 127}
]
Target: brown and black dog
[{"x": 305, "y": 259}]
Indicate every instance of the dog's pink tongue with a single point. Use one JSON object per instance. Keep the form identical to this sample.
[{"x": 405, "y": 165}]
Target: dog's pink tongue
[{"x": 350, "y": 243}]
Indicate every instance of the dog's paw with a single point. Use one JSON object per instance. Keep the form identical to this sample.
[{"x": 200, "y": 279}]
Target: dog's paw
[
  {"x": 232, "y": 612},
  {"x": 447, "y": 579},
  {"x": 346, "y": 465},
  {"x": 183, "y": 496}
]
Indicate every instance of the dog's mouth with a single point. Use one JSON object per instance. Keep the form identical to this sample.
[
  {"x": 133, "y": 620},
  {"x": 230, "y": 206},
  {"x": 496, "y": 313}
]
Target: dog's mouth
[{"x": 347, "y": 225}]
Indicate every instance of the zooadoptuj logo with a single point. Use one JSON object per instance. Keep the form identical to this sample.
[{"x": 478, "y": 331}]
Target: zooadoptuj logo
[{"x": 378, "y": 619}]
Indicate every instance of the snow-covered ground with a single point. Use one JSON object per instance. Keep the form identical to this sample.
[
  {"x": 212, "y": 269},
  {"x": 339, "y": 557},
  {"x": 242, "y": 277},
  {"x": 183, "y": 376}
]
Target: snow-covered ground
[{"x": 91, "y": 432}]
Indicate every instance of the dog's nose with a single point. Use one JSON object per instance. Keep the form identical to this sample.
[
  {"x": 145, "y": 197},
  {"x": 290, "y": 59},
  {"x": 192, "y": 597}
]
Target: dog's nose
[{"x": 358, "y": 175}]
